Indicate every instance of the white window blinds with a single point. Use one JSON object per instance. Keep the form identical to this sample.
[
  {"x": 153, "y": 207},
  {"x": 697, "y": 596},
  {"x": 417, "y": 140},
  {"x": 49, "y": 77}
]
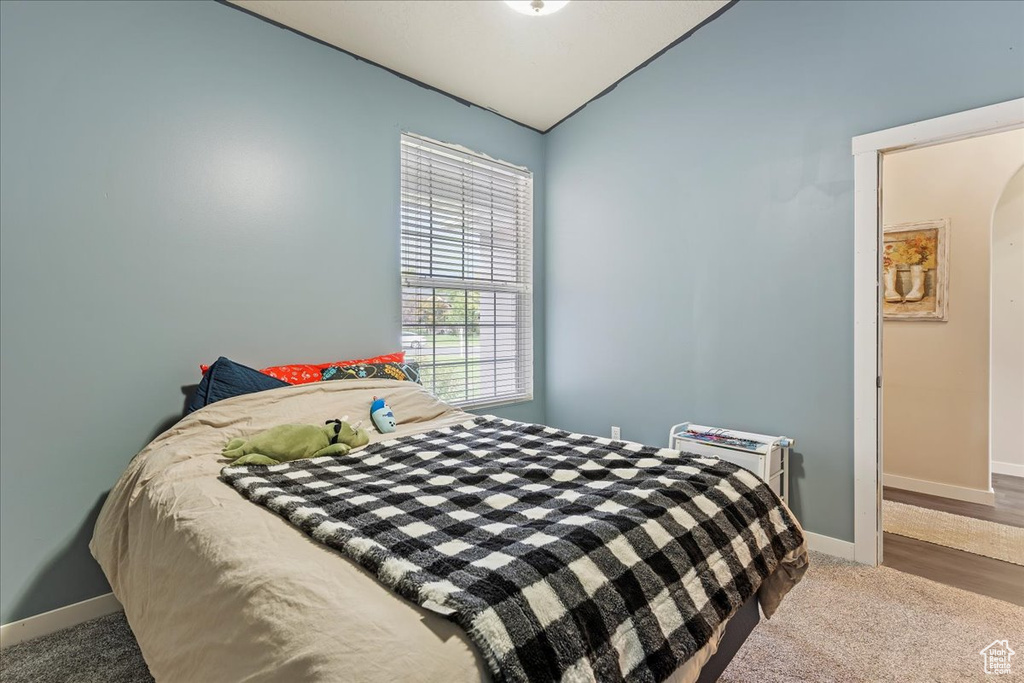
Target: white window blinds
[{"x": 467, "y": 293}]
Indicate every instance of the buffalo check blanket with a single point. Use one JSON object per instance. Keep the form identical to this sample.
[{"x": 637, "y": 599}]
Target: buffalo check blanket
[{"x": 563, "y": 556}]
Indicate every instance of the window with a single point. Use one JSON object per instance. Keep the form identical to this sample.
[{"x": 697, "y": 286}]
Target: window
[{"x": 467, "y": 292}]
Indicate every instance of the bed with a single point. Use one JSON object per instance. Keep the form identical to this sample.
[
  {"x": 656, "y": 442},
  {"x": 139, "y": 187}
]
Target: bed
[{"x": 217, "y": 588}]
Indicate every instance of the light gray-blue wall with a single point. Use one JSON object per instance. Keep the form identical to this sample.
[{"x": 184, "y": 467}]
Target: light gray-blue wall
[
  {"x": 700, "y": 221},
  {"x": 180, "y": 181}
]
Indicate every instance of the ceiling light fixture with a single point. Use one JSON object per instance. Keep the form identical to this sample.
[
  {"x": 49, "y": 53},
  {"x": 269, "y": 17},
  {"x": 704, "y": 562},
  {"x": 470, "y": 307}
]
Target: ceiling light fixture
[{"x": 536, "y": 8}]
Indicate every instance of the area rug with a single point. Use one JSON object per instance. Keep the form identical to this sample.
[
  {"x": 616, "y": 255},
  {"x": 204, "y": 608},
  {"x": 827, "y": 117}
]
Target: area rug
[{"x": 978, "y": 536}]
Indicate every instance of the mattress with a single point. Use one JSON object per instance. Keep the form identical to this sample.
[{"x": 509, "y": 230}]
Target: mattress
[{"x": 218, "y": 589}]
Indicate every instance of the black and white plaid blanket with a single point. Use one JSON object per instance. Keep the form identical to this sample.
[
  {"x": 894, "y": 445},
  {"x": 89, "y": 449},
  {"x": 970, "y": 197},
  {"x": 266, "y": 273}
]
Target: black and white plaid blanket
[{"x": 563, "y": 556}]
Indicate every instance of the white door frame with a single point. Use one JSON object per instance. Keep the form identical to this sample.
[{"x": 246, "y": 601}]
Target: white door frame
[{"x": 867, "y": 296}]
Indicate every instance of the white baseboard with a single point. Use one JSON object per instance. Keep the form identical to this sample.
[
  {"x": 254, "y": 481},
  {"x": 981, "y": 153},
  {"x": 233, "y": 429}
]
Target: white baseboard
[
  {"x": 830, "y": 546},
  {"x": 1011, "y": 468},
  {"x": 934, "y": 488},
  {"x": 54, "y": 620}
]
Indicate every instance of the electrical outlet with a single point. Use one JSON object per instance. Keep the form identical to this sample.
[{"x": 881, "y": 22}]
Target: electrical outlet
[{"x": 616, "y": 433}]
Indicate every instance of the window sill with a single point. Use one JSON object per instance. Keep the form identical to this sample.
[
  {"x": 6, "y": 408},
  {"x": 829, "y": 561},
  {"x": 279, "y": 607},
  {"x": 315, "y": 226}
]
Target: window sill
[{"x": 481, "y": 405}]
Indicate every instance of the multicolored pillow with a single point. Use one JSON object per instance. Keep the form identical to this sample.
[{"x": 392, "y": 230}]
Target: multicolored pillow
[
  {"x": 304, "y": 374},
  {"x": 407, "y": 372}
]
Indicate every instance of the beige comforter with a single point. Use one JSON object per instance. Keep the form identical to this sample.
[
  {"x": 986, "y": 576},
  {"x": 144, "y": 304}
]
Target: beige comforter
[{"x": 219, "y": 589}]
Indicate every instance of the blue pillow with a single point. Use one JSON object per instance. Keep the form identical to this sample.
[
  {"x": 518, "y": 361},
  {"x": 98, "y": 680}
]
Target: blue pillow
[{"x": 226, "y": 378}]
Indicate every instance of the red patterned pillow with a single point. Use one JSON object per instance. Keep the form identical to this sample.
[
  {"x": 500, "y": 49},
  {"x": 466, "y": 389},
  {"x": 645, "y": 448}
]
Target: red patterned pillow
[
  {"x": 398, "y": 357},
  {"x": 294, "y": 374},
  {"x": 305, "y": 373}
]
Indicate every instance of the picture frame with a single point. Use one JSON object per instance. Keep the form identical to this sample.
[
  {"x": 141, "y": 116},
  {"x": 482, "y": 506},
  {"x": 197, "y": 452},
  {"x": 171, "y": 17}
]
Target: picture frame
[{"x": 915, "y": 271}]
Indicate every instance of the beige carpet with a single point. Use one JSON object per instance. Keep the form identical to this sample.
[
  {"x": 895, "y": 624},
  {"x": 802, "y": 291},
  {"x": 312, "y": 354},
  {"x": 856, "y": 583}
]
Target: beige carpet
[
  {"x": 847, "y": 622},
  {"x": 999, "y": 541}
]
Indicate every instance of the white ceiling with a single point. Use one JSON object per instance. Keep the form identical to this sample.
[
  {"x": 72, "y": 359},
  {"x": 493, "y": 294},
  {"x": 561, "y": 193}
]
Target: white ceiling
[{"x": 534, "y": 70}]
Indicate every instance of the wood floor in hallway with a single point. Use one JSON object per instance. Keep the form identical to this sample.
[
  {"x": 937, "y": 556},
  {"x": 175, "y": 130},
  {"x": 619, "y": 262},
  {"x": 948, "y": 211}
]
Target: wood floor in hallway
[{"x": 975, "y": 573}]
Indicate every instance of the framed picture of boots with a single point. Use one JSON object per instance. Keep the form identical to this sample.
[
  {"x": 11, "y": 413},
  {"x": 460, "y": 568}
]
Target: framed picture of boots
[{"x": 915, "y": 270}]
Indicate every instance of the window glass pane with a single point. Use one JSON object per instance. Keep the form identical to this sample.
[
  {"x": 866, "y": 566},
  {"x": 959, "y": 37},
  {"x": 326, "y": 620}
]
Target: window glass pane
[{"x": 470, "y": 335}]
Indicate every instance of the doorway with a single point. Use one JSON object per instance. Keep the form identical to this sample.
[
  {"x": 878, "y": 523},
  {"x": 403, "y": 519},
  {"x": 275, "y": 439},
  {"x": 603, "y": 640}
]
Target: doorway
[
  {"x": 868, "y": 291},
  {"x": 946, "y": 515}
]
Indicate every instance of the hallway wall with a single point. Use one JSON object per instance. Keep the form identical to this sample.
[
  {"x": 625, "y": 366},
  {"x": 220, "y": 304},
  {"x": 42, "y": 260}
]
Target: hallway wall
[
  {"x": 1008, "y": 330},
  {"x": 936, "y": 374}
]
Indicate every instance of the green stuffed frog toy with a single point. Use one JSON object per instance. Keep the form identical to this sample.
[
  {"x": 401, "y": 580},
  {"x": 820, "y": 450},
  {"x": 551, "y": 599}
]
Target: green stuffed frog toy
[{"x": 293, "y": 442}]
